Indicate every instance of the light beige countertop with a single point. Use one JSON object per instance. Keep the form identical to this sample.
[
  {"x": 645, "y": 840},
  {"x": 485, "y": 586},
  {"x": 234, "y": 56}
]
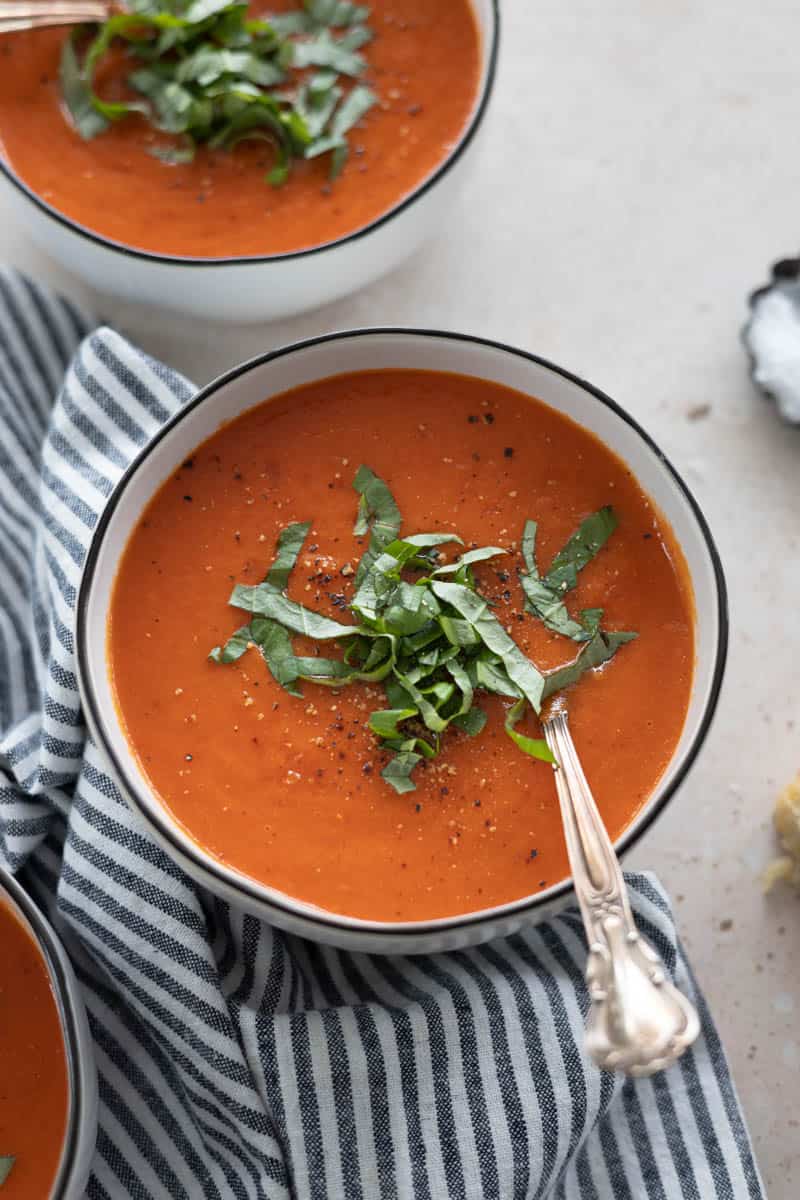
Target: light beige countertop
[{"x": 637, "y": 176}]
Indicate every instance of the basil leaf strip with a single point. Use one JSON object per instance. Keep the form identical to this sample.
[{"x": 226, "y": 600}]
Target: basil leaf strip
[
  {"x": 582, "y": 547},
  {"x": 535, "y": 747},
  {"x": 264, "y": 601},
  {"x": 433, "y": 643},
  {"x": 336, "y": 673},
  {"x": 528, "y": 548},
  {"x": 595, "y": 653},
  {"x": 382, "y": 579},
  {"x": 461, "y": 679},
  {"x": 544, "y": 597},
  {"x": 6, "y": 1166},
  {"x": 469, "y": 559},
  {"x": 493, "y": 677},
  {"x": 458, "y": 632},
  {"x": 385, "y": 722},
  {"x": 546, "y": 604},
  {"x": 178, "y": 110},
  {"x": 414, "y": 745},
  {"x": 378, "y": 515},
  {"x": 335, "y": 12},
  {"x": 474, "y": 609},
  {"x": 427, "y": 711},
  {"x": 591, "y": 618},
  {"x": 316, "y": 110},
  {"x": 472, "y": 722},
  {"x": 77, "y": 94},
  {"x": 290, "y": 543},
  {"x": 324, "y": 51},
  {"x": 541, "y": 598},
  {"x": 355, "y": 105},
  {"x": 234, "y": 648},
  {"x": 276, "y": 648},
  {"x": 397, "y": 771},
  {"x": 173, "y": 154},
  {"x": 289, "y": 23},
  {"x": 208, "y": 64},
  {"x": 201, "y": 10}
]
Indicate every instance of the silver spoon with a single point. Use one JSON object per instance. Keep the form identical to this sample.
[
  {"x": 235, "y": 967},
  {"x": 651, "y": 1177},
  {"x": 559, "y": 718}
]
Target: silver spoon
[
  {"x": 19, "y": 15},
  {"x": 638, "y": 1021}
]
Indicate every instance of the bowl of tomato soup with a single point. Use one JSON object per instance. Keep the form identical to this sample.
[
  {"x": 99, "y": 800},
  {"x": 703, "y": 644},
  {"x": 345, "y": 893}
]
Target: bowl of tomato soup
[
  {"x": 48, "y": 1088},
  {"x": 325, "y": 610},
  {"x": 230, "y": 221}
]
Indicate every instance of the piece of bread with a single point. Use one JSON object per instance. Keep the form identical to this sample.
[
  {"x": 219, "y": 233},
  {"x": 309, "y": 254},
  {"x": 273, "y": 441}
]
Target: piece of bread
[{"x": 787, "y": 823}]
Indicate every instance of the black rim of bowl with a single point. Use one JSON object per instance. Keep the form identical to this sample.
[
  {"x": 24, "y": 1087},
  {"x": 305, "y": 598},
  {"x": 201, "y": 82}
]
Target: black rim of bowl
[
  {"x": 249, "y": 887},
  {"x": 49, "y": 946},
  {"x": 429, "y": 182}
]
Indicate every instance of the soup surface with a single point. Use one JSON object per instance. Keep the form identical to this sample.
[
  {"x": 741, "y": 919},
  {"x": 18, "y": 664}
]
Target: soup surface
[
  {"x": 33, "y": 1068},
  {"x": 424, "y": 63},
  {"x": 289, "y": 790}
]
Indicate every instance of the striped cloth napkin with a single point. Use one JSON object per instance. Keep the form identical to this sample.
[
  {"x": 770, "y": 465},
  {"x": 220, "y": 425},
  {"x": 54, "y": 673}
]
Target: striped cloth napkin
[{"x": 236, "y": 1061}]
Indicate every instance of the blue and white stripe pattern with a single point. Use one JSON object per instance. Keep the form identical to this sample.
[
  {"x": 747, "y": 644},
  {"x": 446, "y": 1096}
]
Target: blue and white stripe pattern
[{"x": 237, "y": 1062}]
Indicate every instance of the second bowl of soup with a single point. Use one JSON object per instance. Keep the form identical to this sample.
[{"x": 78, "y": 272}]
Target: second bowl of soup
[
  {"x": 48, "y": 1084},
  {"x": 325, "y": 611},
  {"x": 252, "y": 162}
]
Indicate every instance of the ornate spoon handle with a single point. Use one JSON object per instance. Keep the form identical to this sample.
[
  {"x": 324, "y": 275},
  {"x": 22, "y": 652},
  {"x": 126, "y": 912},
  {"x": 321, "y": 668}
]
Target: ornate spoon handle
[{"x": 638, "y": 1021}]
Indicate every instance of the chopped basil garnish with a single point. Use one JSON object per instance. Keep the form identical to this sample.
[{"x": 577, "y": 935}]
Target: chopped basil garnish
[
  {"x": 423, "y": 630},
  {"x": 6, "y": 1165},
  {"x": 210, "y": 75}
]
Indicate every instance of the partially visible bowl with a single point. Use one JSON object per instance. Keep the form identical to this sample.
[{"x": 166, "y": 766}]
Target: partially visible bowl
[
  {"x": 268, "y": 287},
  {"x": 81, "y": 1130},
  {"x": 289, "y": 368}
]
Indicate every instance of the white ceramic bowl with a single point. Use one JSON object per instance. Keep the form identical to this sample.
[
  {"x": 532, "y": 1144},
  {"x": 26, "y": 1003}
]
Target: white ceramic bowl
[
  {"x": 81, "y": 1134},
  {"x": 267, "y": 287},
  {"x": 320, "y": 358}
]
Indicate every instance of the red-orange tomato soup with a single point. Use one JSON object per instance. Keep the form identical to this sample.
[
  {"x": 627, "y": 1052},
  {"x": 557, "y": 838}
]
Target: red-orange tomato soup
[
  {"x": 289, "y": 791},
  {"x": 33, "y": 1065},
  {"x": 424, "y": 64}
]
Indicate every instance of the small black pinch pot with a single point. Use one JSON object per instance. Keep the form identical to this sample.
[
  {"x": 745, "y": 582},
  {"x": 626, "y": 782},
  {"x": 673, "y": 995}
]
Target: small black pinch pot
[{"x": 772, "y": 338}]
